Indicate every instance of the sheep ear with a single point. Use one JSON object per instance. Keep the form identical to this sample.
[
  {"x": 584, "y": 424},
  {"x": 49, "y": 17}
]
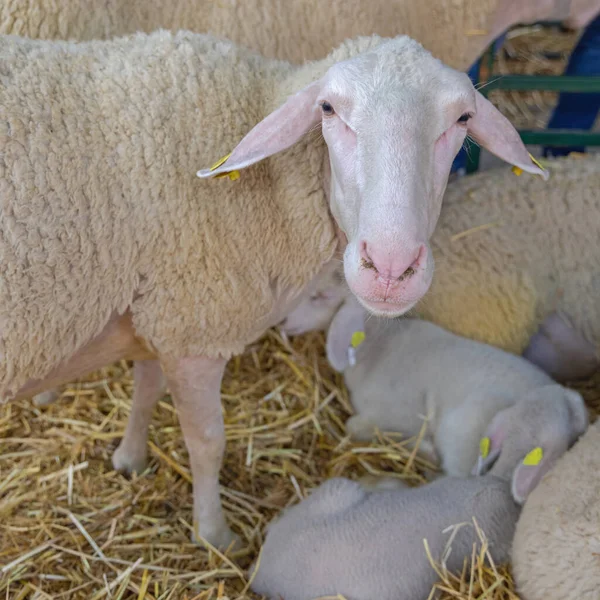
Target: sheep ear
[
  {"x": 490, "y": 444},
  {"x": 529, "y": 473},
  {"x": 492, "y": 130},
  {"x": 277, "y": 132},
  {"x": 348, "y": 321}
]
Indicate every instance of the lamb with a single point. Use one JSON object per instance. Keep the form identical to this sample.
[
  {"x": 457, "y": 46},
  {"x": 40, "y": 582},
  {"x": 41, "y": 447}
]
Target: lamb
[
  {"x": 345, "y": 540},
  {"x": 111, "y": 247},
  {"x": 557, "y": 541},
  {"x": 408, "y": 371},
  {"x": 456, "y": 31},
  {"x": 518, "y": 268}
]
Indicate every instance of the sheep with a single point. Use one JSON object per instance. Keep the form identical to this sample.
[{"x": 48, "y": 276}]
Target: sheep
[
  {"x": 346, "y": 540},
  {"x": 408, "y": 371},
  {"x": 556, "y": 547},
  {"x": 112, "y": 248},
  {"x": 517, "y": 268},
  {"x": 457, "y": 32}
]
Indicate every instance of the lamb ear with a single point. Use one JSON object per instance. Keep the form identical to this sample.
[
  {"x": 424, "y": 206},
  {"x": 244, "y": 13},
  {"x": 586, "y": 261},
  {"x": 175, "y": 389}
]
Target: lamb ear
[
  {"x": 490, "y": 444},
  {"x": 492, "y": 130},
  {"x": 529, "y": 473},
  {"x": 277, "y": 132},
  {"x": 349, "y": 319}
]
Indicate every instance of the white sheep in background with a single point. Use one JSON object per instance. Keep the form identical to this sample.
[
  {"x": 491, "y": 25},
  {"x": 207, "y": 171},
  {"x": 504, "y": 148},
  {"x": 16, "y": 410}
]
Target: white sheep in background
[
  {"x": 556, "y": 550},
  {"x": 407, "y": 371},
  {"x": 346, "y": 540},
  {"x": 457, "y": 31},
  {"x": 517, "y": 267},
  {"x": 112, "y": 248}
]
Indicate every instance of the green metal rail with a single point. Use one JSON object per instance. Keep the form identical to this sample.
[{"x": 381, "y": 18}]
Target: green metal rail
[{"x": 554, "y": 83}]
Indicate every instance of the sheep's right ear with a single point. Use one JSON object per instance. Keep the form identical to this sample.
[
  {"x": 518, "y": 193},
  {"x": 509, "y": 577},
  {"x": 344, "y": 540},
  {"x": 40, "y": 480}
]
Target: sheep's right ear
[
  {"x": 349, "y": 320},
  {"x": 275, "y": 133}
]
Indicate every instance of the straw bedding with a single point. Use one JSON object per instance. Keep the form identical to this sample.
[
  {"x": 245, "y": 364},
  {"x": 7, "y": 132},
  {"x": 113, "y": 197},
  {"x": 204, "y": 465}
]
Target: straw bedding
[{"x": 70, "y": 527}]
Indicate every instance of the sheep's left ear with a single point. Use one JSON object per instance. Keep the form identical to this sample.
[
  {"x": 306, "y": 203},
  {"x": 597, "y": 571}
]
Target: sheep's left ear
[
  {"x": 277, "y": 132},
  {"x": 529, "y": 473},
  {"x": 492, "y": 130}
]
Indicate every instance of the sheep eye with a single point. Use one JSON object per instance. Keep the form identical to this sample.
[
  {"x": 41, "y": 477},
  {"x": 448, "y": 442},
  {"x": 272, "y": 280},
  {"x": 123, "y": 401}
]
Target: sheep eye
[
  {"x": 327, "y": 109},
  {"x": 464, "y": 118}
]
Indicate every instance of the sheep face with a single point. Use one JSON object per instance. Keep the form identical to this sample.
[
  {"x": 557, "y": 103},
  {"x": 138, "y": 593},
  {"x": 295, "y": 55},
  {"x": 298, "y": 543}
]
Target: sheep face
[{"x": 393, "y": 118}]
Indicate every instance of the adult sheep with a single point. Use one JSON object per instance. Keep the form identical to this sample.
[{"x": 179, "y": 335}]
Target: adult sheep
[
  {"x": 112, "y": 247},
  {"x": 299, "y": 30}
]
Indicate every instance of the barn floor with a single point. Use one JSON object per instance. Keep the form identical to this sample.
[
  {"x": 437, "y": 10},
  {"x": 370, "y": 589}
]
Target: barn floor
[{"x": 71, "y": 527}]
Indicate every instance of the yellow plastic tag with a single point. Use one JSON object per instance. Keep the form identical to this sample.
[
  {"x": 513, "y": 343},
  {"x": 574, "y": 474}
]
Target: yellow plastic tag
[
  {"x": 518, "y": 171},
  {"x": 358, "y": 337},
  {"x": 233, "y": 175},
  {"x": 534, "y": 457},
  {"x": 220, "y": 162},
  {"x": 537, "y": 163},
  {"x": 484, "y": 447}
]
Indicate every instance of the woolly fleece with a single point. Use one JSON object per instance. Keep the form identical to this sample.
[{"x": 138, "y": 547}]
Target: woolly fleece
[
  {"x": 524, "y": 248},
  {"x": 101, "y": 209},
  {"x": 278, "y": 28},
  {"x": 556, "y": 550}
]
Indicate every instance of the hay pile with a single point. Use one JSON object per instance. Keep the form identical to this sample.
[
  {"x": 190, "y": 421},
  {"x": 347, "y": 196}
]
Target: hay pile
[
  {"x": 73, "y": 528},
  {"x": 70, "y": 527}
]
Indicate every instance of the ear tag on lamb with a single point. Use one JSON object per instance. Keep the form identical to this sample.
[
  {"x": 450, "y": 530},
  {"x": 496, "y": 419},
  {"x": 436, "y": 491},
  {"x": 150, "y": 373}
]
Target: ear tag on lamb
[
  {"x": 358, "y": 337},
  {"x": 484, "y": 447},
  {"x": 233, "y": 175},
  {"x": 534, "y": 458},
  {"x": 518, "y": 172}
]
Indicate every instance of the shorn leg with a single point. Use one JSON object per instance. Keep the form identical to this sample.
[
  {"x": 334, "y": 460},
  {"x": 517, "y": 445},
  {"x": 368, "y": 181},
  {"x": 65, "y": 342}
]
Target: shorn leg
[
  {"x": 148, "y": 387},
  {"x": 195, "y": 385},
  {"x": 560, "y": 350}
]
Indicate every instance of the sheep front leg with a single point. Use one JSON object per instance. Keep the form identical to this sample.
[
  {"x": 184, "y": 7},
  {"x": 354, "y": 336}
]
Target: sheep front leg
[
  {"x": 195, "y": 385},
  {"x": 148, "y": 387}
]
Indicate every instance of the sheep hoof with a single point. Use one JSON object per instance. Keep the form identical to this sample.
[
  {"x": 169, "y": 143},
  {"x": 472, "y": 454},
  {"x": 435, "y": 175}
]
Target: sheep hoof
[
  {"x": 129, "y": 462},
  {"x": 222, "y": 539},
  {"x": 45, "y": 398}
]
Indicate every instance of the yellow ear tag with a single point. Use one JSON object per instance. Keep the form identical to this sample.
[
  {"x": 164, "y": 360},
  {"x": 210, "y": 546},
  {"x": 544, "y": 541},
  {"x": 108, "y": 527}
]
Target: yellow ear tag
[
  {"x": 534, "y": 457},
  {"x": 518, "y": 171},
  {"x": 233, "y": 175},
  {"x": 358, "y": 337},
  {"x": 537, "y": 163},
  {"x": 484, "y": 447}
]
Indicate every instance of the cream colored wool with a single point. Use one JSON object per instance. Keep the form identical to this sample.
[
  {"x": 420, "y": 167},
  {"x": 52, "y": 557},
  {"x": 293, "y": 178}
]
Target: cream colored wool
[
  {"x": 101, "y": 208},
  {"x": 556, "y": 550},
  {"x": 511, "y": 250},
  {"x": 456, "y": 31}
]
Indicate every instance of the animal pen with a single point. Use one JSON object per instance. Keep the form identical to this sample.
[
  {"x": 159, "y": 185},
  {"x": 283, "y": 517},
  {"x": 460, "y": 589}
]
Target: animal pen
[{"x": 71, "y": 527}]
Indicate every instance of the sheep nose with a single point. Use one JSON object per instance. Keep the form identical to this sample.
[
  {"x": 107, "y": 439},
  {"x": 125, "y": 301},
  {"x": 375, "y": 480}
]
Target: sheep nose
[{"x": 397, "y": 266}]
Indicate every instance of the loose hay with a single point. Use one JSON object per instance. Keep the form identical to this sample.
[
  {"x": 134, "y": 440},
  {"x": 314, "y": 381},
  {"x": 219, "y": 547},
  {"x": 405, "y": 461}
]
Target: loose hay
[{"x": 71, "y": 528}]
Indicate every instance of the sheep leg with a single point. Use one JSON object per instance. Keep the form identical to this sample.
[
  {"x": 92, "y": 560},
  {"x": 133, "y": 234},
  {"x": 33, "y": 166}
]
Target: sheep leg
[
  {"x": 195, "y": 385},
  {"x": 560, "y": 350},
  {"x": 148, "y": 387}
]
